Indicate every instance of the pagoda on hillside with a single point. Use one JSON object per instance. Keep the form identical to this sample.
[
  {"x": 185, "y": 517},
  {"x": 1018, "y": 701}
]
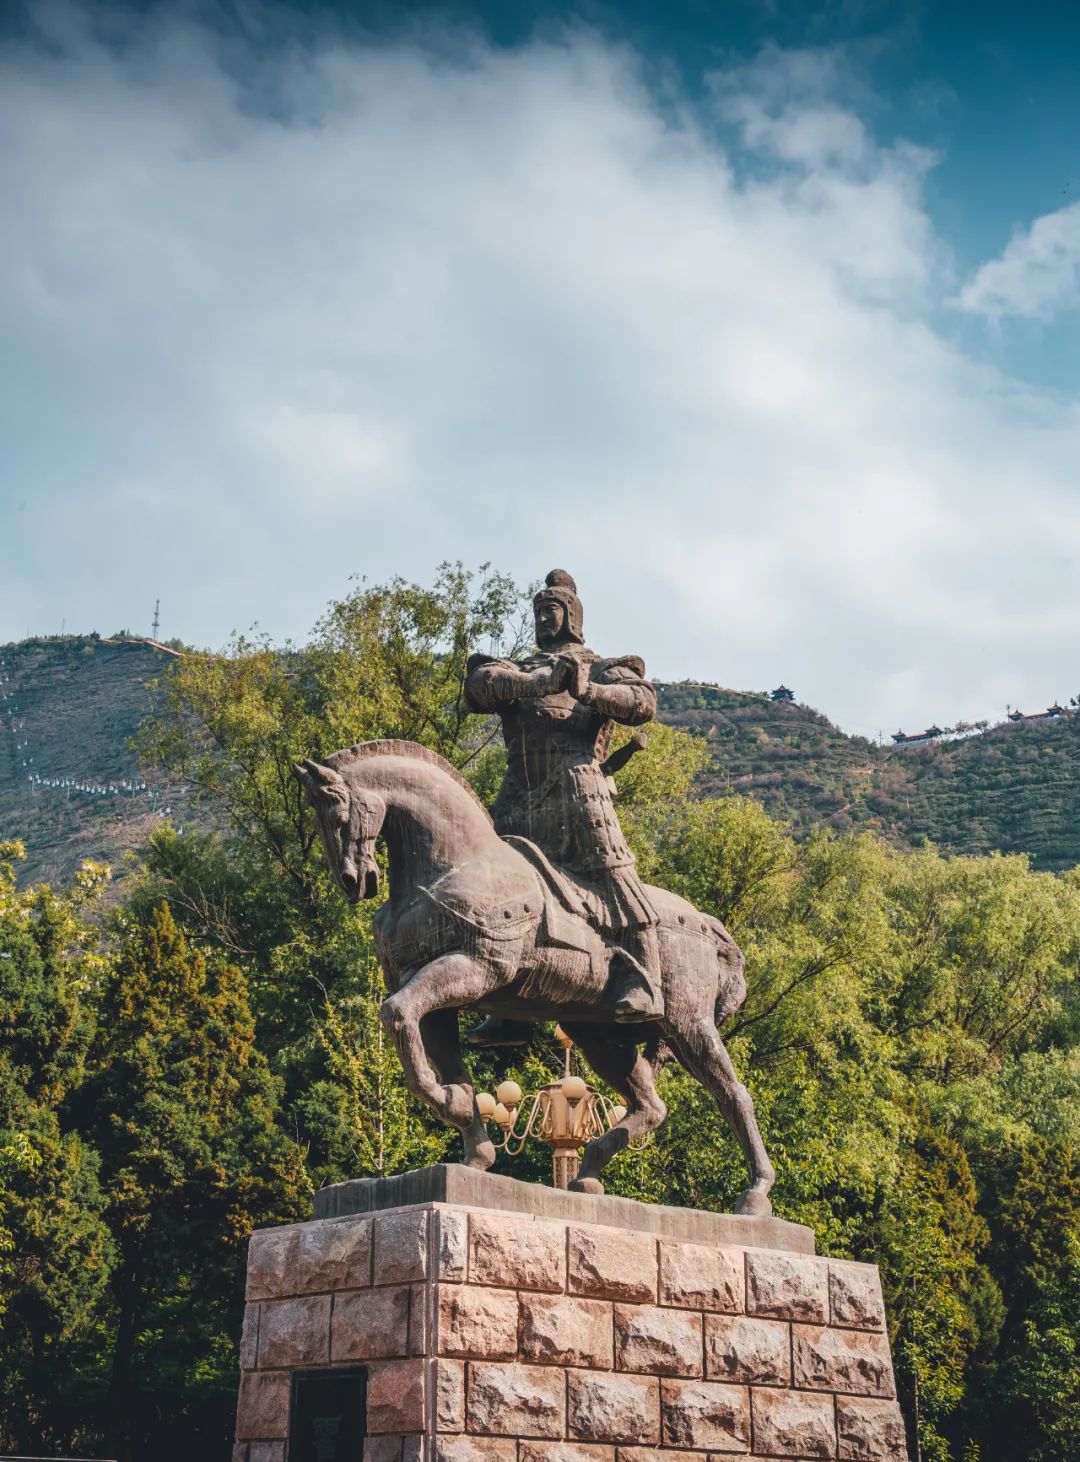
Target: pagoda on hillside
[{"x": 782, "y": 695}]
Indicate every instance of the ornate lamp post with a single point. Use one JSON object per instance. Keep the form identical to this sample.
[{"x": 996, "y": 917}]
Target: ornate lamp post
[{"x": 565, "y": 1114}]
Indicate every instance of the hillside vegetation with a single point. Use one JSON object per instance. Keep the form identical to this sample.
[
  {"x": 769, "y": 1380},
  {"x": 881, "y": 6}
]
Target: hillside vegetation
[
  {"x": 69, "y": 707},
  {"x": 75, "y": 704},
  {"x": 1011, "y": 789}
]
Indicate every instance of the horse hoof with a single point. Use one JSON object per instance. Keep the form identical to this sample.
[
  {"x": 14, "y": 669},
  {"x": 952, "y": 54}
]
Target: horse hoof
[
  {"x": 754, "y": 1203},
  {"x": 482, "y": 1156},
  {"x": 585, "y": 1185}
]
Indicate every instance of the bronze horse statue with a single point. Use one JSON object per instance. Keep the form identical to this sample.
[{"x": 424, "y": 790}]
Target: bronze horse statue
[{"x": 474, "y": 920}]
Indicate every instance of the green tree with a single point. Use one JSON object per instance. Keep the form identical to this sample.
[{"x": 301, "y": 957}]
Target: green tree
[
  {"x": 1028, "y": 1397},
  {"x": 361, "y": 1113},
  {"x": 386, "y": 661},
  {"x": 181, "y": 1107},
  {"x": 56, "y": 1253}
]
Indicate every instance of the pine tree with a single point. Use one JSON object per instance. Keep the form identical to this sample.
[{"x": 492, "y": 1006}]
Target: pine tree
[{"x": 181, "y": 1107}]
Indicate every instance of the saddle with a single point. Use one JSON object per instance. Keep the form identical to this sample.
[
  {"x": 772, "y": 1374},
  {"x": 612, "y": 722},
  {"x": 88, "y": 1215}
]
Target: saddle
[
  {"x": 500, "y": 902},
  {"x": 570, "y": 911}
]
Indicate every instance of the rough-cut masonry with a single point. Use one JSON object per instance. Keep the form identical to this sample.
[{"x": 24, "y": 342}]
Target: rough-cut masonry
[{"x": 494, "y": 1336}]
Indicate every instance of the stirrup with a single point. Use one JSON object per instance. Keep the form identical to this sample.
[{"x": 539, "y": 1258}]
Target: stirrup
[
  {"x": 495, "y": 1031},
  {"x": 638, "y": 1000},
  {"x": 631, "y": 1011}
]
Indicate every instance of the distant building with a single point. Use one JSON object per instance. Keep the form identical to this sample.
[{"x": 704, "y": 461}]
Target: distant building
[
  {"x": 781, "y": 693},
  {"x": 1051, "y": 711},
  {"x": 930, "y": 734}
]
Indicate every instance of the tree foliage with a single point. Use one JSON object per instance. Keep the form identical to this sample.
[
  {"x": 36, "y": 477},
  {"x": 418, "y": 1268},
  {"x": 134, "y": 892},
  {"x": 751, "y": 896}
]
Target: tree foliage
[{"x": 196, "y": 1062}]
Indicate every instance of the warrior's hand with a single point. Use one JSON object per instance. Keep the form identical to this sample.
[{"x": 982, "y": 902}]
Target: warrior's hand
[{"x": 579, "y": 683}]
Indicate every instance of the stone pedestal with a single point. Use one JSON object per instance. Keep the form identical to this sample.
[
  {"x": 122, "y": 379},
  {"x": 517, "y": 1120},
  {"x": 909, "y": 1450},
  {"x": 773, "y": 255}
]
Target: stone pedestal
[{"x": 498, "y": 1321}]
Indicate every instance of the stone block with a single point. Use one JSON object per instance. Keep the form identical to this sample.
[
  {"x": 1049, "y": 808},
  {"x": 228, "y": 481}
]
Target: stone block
[
  {"x": 658, "y": 1342},
  {"x": 263, "y": 1410},
  {"x": 271, "y": 1270},
  {"x": 516, "y": 1400},
  {"x": 855, "y": 1295},
  {"x": 370, "y": 1324},
  {"x": 662, "y": 1454},
  {"x": 793, "y": 1424},
  {"x": 854, "y": 1361},
  {"x": 333, "y": 1255},
  {"x": 520, "y": 1253},
  {"x": 705, "y": 1414},
  {"x": 566, "y": 1331},
  {"x": 477, "y": 1323},
  {"x": 565, "y": 1452},
  {"x": 451, "y": 1243},
  {"x": 659, "y": 1454},
  {"x": 395, "y": 1396},
  {"x": 418, "y": 1320},
  {"x": 474, "y": 1449},
  {"x": 401, "y": 1246},
  {"x": 382, "y": 1449},
  {"x": 295, "y": 1332},
  {"x": 787, "y": 1287},
  {"x": 870, "y": 1429},
  {"x": 745, "y": 1350},
  {"x": 249, "y": 1338},
  {"x": 606, "y": 1407},
  {"x": 266, "y": 1452},
  {"x": 449, "y": 1382},
  {"x": 452, "y": 1184},
  {"x": 698, "y": 1277},
  {"x": 612, "y": 1264},
  {"x": 412, "y": 1448},
  {"x": 240, "y": 1452}
]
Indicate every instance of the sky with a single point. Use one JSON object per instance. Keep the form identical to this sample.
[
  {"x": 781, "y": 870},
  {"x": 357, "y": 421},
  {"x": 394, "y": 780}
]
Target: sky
[{"x": 760, "y": 318}]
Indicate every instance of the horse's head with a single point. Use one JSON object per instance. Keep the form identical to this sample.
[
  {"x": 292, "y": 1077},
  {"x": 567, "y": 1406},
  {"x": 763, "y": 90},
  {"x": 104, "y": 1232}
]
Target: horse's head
[{"x": 349, "y": 820}]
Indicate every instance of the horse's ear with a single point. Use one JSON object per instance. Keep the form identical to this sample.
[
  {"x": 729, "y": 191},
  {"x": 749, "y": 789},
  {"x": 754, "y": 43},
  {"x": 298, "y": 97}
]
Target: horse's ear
[
  {"x": 323, "y": 776},
  {"x": 318, "y": 780}
]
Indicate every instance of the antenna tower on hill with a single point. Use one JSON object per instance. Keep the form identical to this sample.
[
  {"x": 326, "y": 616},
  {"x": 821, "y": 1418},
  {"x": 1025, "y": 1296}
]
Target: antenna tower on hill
[{"x": 157, "y": 619}]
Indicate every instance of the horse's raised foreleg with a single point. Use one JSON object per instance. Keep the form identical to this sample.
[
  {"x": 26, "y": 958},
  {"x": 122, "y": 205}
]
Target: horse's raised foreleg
[
  {"x": 442, "y": 1042},
  {"x": 617, "y": 1061},
  {"x": 704, "y": 1054},
  {"x": 445, "y": 984}
]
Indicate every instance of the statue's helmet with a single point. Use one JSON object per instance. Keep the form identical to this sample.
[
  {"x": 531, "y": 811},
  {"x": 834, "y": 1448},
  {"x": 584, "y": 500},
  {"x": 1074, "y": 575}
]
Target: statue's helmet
[{"x": 560, "y": 587}]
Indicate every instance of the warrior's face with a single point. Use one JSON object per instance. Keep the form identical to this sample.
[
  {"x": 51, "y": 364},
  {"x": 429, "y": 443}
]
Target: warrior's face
[{"x": 550, "y": 623}]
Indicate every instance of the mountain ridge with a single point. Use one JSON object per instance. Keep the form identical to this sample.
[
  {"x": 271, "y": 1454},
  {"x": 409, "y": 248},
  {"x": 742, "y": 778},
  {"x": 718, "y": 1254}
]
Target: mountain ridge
[{"x": 71, "y": 786}]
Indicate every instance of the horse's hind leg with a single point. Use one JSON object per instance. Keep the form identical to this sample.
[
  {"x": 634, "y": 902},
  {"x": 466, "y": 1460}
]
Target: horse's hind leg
[
  {"x": 441, "y": 986},
  {"x": 442, "y": 1042},
  {"x": 704, "y": 1054},
  {"x": 616, "y": 1060}
]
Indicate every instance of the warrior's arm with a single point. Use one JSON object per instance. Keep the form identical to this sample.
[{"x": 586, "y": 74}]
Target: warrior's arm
[
  {"x": 621, "y": 695},
  {"x": 490, "y": 684}
]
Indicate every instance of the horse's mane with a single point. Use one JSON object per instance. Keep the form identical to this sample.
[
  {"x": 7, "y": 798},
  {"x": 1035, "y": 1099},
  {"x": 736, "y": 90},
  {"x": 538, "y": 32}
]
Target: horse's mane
[{"x": 412, "y": 750}]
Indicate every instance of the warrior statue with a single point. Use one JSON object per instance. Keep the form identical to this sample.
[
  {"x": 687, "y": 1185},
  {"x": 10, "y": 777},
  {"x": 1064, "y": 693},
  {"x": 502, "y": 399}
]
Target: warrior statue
[
  {"x": 536, "y": 914},
  {"x": 559, "y": 708}
]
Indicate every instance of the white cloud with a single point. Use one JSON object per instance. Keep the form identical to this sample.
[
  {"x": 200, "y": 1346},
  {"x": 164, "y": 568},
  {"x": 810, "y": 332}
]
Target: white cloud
[
  {"x": 441, "y": 300},
  {"x": 790, "y": 104},
  {"x": 1037, "y": 275}
]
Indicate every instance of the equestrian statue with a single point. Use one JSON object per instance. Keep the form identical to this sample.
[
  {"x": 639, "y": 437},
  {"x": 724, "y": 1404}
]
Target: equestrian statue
[{"x": 535, "y": 912}]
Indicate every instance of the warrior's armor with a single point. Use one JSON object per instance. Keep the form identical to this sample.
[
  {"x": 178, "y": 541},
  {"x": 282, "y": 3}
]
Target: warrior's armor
[{"x": 558, "y": 710}]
